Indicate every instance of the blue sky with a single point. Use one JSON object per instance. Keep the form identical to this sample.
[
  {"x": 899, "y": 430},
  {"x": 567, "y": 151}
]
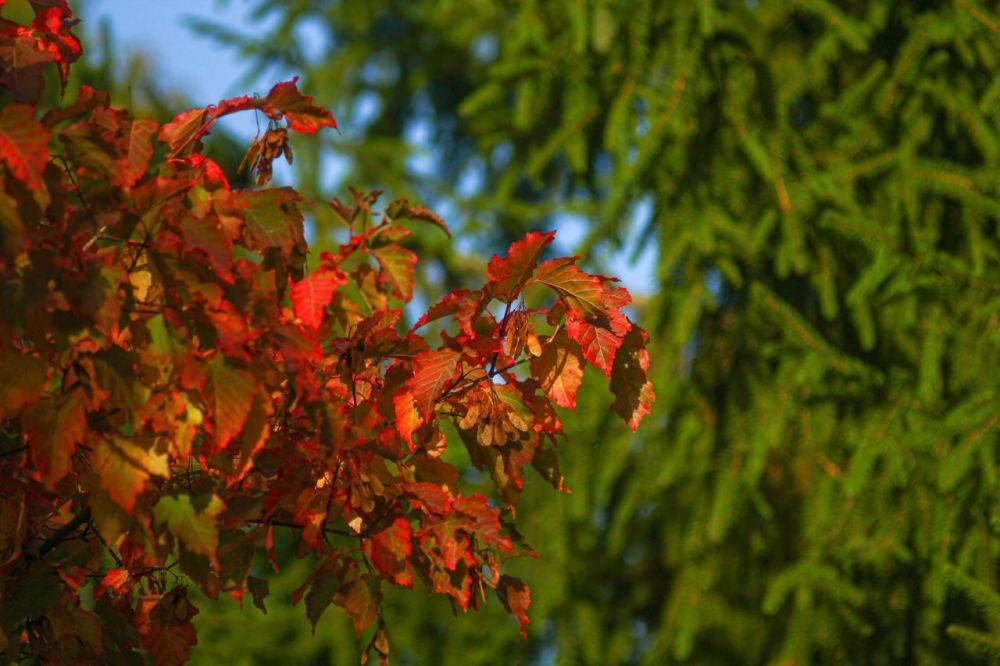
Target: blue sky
[
  {"x": 207, "y": 73},
  {"x": 184, "y": 60}
]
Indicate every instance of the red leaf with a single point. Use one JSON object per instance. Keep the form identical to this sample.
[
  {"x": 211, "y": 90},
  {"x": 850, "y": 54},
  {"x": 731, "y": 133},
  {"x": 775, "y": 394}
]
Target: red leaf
[
  {"x": 204, "y": 235},
  {"x": 482, "y": 519},
  {"x": 54, "y": 23},
  {"x": 509, "y": 274},
  {"x": 633, "y": 391},
  {"x": 389, "y": 551},
  {"x": 463, "y": 304},
  {"x": 311, "y": 296},
  {"x": 559, "y": 370},
  {"x": 433, "y": 371},
  {"x": 183, "y": 128},
  {"x": 597, "y": 341},
  {"x": 86, "y": 102},
  {"x": 302, "y": 115},
  {"x": 24, "y": 144},
  {"x": 516, "y": 598},
  {"x": 432, "y": 497},
  {"x": 232, "y": 395}
]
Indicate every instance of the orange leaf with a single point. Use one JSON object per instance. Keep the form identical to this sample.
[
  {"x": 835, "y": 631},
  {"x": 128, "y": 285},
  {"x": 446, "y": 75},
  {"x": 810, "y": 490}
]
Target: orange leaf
[
  {"x": 54, "y": 428},
  {"x": 559, "y": 370}
]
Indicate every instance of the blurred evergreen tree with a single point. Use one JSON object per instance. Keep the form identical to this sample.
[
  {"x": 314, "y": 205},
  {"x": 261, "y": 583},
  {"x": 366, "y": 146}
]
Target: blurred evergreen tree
[{"x": 819, "y": 483}]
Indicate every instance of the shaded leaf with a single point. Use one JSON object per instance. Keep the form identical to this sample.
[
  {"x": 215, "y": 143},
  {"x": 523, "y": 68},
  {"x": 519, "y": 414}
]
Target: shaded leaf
[
  {"x": 559, "y": 370},
  {"x": 192, "y": 520},
  {"x": 632, "y": 390},
  {"x": 231, "y": 397},
  {"x": 54, "y": 427}
]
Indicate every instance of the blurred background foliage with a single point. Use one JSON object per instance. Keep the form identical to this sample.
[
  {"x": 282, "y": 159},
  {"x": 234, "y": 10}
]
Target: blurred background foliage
[{"x": 806, "y": 196}]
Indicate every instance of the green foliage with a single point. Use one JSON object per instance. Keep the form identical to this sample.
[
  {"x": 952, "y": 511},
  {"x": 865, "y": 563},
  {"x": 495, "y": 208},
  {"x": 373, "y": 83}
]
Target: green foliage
[{"x": 818, "y": 481}]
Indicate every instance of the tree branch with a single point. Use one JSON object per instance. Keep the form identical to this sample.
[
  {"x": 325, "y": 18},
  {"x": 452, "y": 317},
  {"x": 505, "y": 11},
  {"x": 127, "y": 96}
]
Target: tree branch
[{"x": 61, "y": 534}]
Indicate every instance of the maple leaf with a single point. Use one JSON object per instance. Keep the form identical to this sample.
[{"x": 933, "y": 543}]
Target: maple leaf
[
  {"x": 138, "y": 152},
  {"x": 191, "y": 353},
  {"x": 115, "y": 580},
  {"x": 54, "y": 427},
  {"x": 192, "y": 519},
  {"x": 597, "y": 341},
  {"x": 432, "y": 497},
  {"x": 508, "y": 274},
  {"x": 408, "y": 418},
  {"x": 559, "y": 370},
  {"x": 389, "y": 551},
  {"x": 232, "y": 395},
  {"x": 87, "y": 101},
  {"x": 203, "y": 235},
  {"x": 22, "y": 62},
  {"x": 165, "y": 628},
  {"x": 432, "y": 372},
  {"x": 516, "y": 598},
  {"x": 632, "y": 390},
  {"x": 359, "y": 601},
  {"x": 322, "y": 585},
  {"x": 579, "y": 290},
  {"x": 181, "y": 131},
  {"x": 482, "y": 519},
  {"x": 273, "y": 219},
  {"x": 398, "y": 264},
  {"x": 462, "y": 304},
  {"x": 311, "y": 295},
  {"x": 24, "y": 144},
  {"x": 302, "y": 115},
  {"x": 401, "y": 209},
  {"x": 124, "y": 466},
  {"x": 22, "y": 381}
]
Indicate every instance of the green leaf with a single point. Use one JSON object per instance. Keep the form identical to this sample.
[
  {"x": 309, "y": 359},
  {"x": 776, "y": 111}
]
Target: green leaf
[
  {"x": 398, "y": 265},
  {"x": 192, "y": 520},
  {"x": 273, "y": 219}
]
